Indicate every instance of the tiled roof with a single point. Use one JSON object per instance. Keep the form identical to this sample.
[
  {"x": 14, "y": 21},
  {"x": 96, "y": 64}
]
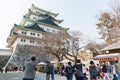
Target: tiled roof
[
  {"x": 48, "y": 20},
  {"x": 35, "y": 27},
  {"x": 113, "y": 46}
]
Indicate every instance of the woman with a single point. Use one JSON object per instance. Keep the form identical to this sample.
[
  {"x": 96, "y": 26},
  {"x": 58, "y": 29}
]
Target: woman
[{"x": 104, "y": 68}]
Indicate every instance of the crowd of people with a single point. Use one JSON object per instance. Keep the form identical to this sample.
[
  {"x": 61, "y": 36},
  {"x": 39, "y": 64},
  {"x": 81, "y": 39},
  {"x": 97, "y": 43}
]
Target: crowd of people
[{"x": 78, "y": 70}]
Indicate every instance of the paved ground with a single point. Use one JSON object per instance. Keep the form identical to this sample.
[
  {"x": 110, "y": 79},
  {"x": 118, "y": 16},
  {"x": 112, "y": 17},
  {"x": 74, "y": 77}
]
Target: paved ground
[{"x": 18, "y": 76}]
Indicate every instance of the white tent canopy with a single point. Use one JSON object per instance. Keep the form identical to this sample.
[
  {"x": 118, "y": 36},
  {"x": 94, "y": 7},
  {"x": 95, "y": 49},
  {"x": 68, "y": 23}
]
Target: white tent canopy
[
  {"x": 53, "y": 62},
  {"x": 64, "y": 61},
  {"x": 107, "y": 56},
  {"x": 41, "y": 63}
]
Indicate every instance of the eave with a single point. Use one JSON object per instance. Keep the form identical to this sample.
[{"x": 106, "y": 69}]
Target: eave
[
  {"x": 17, "y": 27},
  {"x": 31, "y": 12},
  {"x": 34, "y": 7},
  {"x": 112, "y": 47},
  {"x": 45, "y": 24}
]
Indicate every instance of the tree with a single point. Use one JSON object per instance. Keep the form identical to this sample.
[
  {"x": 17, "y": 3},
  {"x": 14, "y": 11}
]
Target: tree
[
  {"x": 109, "y": 24},
  {"x": 63, "y": 45},
  {"x": 95, "y": 48},
  {"x": 104, "y": 26},
  {"x": 54, "y": 44}
]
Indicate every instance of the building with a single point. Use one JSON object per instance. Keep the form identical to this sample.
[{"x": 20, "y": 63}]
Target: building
[
  {"x": 113, "y": 48},
  {"x": 27, "y": 35},
  {"x": 111, "y": 54},
  {"x": 4, "y": 56}
]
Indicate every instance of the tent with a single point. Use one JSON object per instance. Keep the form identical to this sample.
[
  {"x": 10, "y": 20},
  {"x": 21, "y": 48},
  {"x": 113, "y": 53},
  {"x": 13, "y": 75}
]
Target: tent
[
  {"x": 64, "y": 61},
  {"x": 41, "y": 63},
  {"x": 107, "y": 57},
  {"x": 53, "y": 62}
]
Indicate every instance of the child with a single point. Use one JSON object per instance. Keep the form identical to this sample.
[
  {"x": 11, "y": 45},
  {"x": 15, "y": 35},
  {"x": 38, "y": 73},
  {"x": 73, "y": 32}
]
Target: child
[{"x": 85, "y": 77}]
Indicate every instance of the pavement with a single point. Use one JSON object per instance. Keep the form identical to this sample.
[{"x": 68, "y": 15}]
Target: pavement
[
  {"x": 39, "y": 76},
  {"x": 19, "y": 76}
]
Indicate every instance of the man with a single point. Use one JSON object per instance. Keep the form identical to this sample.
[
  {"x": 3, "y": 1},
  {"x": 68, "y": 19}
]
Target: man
[
  {"x": 69, "y": 71},
  {"x": 30, "y": 67},
  {"x": 47, "y": 70},
  {"x": 79, "y": 70},
  {"x": 93, "y": 71},
  {"x": 52, "y": 71}
]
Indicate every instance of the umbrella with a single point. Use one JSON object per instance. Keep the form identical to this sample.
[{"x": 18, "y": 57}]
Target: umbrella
[
  {"x": 64, "y": 61},
  {"x": 41, "y": 63},
  {"x": 53, "y": 62}
]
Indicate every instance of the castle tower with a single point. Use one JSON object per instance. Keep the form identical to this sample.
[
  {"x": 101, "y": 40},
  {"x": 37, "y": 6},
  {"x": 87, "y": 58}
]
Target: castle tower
[{"x": 34, "y": 26}]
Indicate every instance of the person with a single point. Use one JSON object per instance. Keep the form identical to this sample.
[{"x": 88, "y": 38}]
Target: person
[
  {"x": 78, "y": 70},
  {"x": 62, "y": 69},
  {"x": 49, "y": 71},
  {"x": 30, "y": 69},
  {"x": 84, "y": 69},
  {"x": 93, "y": 71},
  {"x": 69, "y": 71},
  {"x": 52, "y": 71},
  {"x": 109, "y": 68},
  {"x": 104, "y": 68},
  {"x": 1, "y": 69},
  {"x": 98, "y": 71},
  {"x": 85, "y": 77}
]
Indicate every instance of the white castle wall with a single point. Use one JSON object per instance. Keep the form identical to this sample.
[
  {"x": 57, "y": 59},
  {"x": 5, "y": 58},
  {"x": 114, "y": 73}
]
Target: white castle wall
[{"x": 5, "y": 52}]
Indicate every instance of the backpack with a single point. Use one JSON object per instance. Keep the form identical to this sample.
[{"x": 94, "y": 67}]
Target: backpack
[
  {"x": 47, "y": 70},
  {"x": 70, "y": 69},
  {"x": 51, "y": 69}
]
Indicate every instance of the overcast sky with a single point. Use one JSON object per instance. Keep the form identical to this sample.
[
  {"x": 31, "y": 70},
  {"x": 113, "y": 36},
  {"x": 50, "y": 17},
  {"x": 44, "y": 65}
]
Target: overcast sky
[{"x": 79, "y": 15}]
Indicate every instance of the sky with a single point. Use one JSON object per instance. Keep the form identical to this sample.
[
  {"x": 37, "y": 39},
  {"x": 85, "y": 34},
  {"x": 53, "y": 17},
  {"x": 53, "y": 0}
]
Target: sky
[{"x": 78, "y": 15}]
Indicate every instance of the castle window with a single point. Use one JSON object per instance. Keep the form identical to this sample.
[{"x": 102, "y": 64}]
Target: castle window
[
  {"x": 23, "y": 40},
  {"x": 31, "y": 41},
  {"x": 48, "y": 29},
  {"x": 34, "y": 18},
  {"x": 23, "y": 32},
  {"x": 33, "y": 33},
  {"x": 38, "y": 34},
  {"x": 53, "y": 30}
]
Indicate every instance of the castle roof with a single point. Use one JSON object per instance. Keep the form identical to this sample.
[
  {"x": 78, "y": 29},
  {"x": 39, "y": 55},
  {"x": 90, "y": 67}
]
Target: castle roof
[
  {"x": 34, "y": 26},
  {"x": 42, "y": 15},
  {"x": 49, "y": 12},
  {"x": 48, "y": 20}
]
